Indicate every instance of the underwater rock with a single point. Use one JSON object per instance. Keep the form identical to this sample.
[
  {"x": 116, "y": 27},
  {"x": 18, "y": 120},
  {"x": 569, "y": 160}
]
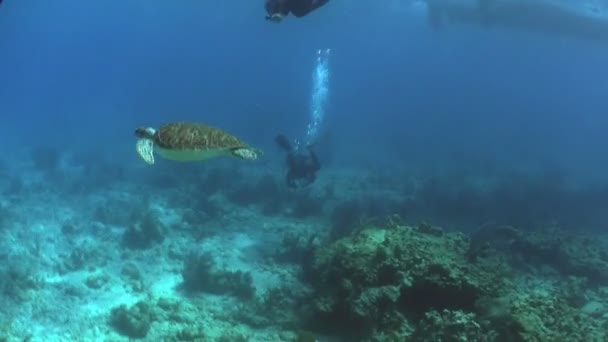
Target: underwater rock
[
  {"x": 97, "y": 281},
  {"x": 375, "y": 278},
  {"x": 276, "y": 307},
  {"x": 194, "y": 334},
  {"x": 298, "y": 247},
  {"x": 179, "y": 320},
  {"x": 450, "y": 326},
  {"x": 134, "y": 322},
  {"x": 200, "y": 274},
  {"x": 131, "y": 272},
  {"x": 548, "y": 318},
  {"x": 388, "y": 281},
  {"x": 81, "y": 257},
  {"x": 17, "y": 281},
  {"x": 305, "y": 336},
  {"x": 144, "y": 233},
  {"x": 234, "y": 335},
  {"x": 570, "y": 255},
  {"x": 69, "y": 228}
]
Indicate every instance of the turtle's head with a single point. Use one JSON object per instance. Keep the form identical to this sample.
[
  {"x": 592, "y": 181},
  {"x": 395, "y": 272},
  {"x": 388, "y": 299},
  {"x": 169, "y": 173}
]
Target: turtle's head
[{"x": 145, "y": 132}]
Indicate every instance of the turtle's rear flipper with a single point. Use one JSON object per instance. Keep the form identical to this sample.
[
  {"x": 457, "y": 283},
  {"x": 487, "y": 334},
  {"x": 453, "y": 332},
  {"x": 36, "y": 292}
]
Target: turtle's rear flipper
[
  {"x": 145, "y": 150},
  {"x": 246, "y": 153}
]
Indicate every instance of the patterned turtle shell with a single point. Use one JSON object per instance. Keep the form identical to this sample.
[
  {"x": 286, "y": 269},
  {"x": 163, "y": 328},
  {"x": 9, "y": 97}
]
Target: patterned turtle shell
[{"x": 195, "y": 137}]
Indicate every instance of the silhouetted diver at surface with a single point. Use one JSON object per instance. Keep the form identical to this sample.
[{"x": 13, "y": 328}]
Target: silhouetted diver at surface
[
  {"x": 278, "y": 9},
  {"x": 301, "y": 167},
  {"x": 580, "y": 19}
]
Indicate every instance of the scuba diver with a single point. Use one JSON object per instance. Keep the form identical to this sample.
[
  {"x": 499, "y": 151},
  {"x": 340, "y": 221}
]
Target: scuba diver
[
  {"x": 301, "y": 168},
  {"x": 278, "y": 9}
]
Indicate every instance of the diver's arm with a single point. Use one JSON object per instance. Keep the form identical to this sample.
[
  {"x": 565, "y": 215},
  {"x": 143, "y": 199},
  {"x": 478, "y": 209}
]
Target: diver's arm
[{"x": 276, "y": 10}]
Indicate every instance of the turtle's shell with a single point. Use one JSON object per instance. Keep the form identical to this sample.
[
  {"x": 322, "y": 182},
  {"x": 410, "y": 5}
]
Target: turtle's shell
[{"x": 181, "y": 136}]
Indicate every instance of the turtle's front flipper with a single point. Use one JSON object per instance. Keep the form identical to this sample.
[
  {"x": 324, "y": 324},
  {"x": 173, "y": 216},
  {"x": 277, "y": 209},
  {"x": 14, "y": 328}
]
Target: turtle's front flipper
[
  {"x": 145, "y": 150},
  {"x": 247, "y": 153}
]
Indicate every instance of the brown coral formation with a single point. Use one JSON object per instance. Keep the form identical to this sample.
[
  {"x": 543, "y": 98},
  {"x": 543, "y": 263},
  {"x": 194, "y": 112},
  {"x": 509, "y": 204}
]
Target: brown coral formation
[{"x": 397, "y": 282}]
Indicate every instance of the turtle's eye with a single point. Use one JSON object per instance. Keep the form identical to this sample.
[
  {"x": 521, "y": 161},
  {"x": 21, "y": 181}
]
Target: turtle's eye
[{"x": 140, "y": 132}]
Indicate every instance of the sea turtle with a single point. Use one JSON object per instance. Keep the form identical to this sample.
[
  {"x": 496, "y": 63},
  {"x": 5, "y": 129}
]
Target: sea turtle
[{"x": 185, "y": 141}]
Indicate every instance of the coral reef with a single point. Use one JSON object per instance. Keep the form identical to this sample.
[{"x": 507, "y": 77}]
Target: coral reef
[
  {"x": 200, "y": 274},
  {"x": 142, "y": 234},
  {"x": 379, "y": 277},
  {"x": 272, "y": 264},
  {"x": 396, "y": 282},
  {"x": 18, "y": 281},
  {"x": 549, "y": 318},
  {"x": 133, "y": 322},
  {"x": 298, "y": 247},
  {"x": 449, "y": 326},
  {"x": 276, "y": 307},
  {"x": 568, "y": 254}
]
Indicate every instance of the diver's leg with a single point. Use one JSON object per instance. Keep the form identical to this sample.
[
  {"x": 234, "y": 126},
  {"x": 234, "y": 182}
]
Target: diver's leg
[{"x": 319, "y": 3}]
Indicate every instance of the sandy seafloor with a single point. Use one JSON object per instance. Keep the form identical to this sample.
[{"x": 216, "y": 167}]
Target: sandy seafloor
[{"x": 62, "y": 305}]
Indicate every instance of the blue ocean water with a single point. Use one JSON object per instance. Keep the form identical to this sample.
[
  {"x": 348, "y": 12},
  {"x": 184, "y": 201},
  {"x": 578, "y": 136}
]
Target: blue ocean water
[
  {"x": 407, "y": 105},
  {"x": 106, "y": 67}
]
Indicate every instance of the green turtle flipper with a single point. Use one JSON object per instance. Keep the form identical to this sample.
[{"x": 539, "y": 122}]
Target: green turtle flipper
[{"x": 145, "y": 150}]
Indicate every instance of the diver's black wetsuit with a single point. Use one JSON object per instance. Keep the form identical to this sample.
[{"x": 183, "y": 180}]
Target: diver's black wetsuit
[
  {"x": 301, "y": 168},
  {"x": 298, "y": 8}
]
